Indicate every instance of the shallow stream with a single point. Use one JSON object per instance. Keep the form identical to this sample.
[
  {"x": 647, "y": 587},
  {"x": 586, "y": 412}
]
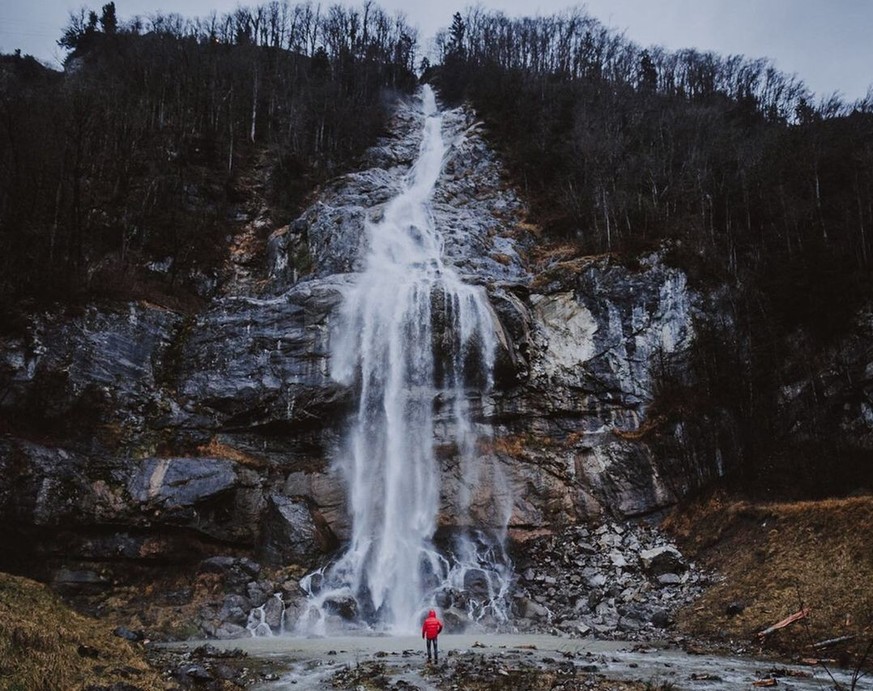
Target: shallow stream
[{"x": 315, "y": 661}]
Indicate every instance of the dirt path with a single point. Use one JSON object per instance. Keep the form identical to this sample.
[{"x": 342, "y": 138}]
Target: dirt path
[{"x": 501, "y": 661}]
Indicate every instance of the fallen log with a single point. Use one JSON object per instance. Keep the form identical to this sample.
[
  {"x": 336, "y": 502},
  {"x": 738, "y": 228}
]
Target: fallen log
[
  {"x": 832, "y": 641},
  {"x": 785, "y": 622},
  {"x": 704, "y": 676},
  {"x": 765, "y": 682},
  {"x": 816, "y": 661}
]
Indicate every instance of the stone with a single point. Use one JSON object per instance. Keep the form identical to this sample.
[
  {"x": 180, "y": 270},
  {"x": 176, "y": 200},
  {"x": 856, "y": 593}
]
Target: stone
[
  {"x": 197, "y": 672},
  {"x": 661, "y": 560},
  {"x": 259, "y": 592},
  {"x": 179, "y": 597},
  {"x": 293, "y": 533},
  {"x": 274, "y": 610},
  {"x": 344, "y": 606},
  {"x": 629, "y": 624},
  {"x": 127, "y": 634},
  {"x": 735, "y": 608},
  {"x": 617, "y": 559},
  {"x": 660, "y": 618},
  {"x": 455, "y": 620},
  {"x": 598, "y": 580},
  {"x": 236, "y": 572},
  {"x": 576, "y": 627},
  {"x": 476, "y": 584},
  {"x": 669, "y": 579},
  {"x": 533, "y": 610},
  {"x": 235, "y": 610}
]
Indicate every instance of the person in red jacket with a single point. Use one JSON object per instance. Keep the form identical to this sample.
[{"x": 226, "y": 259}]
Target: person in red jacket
[{"x": 429, "y": 631}]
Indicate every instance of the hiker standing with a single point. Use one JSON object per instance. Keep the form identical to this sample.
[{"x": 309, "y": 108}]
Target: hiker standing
[{"x": 429, "y": 631}]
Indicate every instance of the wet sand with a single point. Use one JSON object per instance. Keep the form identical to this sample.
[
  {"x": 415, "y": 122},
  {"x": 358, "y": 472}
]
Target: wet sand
[{"x": 314, "y": 661}]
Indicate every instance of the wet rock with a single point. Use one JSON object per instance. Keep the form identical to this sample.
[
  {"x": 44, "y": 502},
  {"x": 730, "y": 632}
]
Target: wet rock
[
  {"x": 274, "y": 610},
  {"x": 228, "y": 631},
  {"x": 455, "y": 620},
  {"x": 293, "y": 533},
  {"x": 528, "y": 609},
  {"x": 576, "y": 627},
  {"x": 629, "y": 624},
  {"x": 235, "y": 609},
  {"x": 345, "y": 607},
  {"x": 259, "y": 592},
  {"x": 251, "y": 362},
  {"x": 110, "y": 356},
  {"x": 476, "y": 584}
]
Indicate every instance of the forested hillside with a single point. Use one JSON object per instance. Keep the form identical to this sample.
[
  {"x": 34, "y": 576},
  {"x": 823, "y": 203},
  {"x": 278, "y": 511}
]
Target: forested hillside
[
  {"x": 135, "y": 154},
  {"x": 754, "y": 184},
  {"x": 123, "y": 177}
]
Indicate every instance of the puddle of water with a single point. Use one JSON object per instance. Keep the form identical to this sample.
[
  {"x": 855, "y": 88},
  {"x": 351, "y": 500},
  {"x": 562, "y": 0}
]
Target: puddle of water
[{"x": 314, "y": 661}]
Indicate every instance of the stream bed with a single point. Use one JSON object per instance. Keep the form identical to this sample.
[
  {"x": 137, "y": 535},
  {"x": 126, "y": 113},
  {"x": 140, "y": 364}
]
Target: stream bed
[{"x": 399, "y": 662}]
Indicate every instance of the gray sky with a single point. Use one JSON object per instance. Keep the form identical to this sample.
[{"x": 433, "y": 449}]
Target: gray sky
[{"x": 827, "y": 43}]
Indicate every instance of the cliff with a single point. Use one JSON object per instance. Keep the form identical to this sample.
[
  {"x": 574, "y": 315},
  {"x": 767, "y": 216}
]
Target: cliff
[{"x": 139, "y": 440}]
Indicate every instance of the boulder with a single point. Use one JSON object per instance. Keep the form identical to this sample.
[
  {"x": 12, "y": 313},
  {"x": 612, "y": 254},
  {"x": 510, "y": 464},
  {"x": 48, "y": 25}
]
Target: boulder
[
  {"x": 455, "y": 620},
  {"x": 345, "y": 606},
  {"x": 293, "y": 533},
  {"x": 663, "y": 560}
]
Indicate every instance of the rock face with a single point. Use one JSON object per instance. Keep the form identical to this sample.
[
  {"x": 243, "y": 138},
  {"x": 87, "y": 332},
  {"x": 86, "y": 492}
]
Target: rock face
[
  {"x": 136, "y": 435},
  {"x": 598, "y": 331}
]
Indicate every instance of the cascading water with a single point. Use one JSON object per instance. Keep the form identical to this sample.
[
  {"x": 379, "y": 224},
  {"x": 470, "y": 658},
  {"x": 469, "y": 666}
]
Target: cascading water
[{"x": 416, "y": 342}]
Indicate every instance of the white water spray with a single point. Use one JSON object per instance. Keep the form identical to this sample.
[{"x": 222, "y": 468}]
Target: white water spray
[{"x": 413, "y": 338}]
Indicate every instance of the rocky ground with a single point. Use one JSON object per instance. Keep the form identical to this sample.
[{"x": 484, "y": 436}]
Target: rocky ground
[
  {"x": 733, "y": 570},
  {"x": 616, "y": 580},
  {"x": 609, "y": 581}
]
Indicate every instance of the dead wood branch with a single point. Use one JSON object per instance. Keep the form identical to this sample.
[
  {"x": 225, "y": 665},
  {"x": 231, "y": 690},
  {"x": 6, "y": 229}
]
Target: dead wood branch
[{"x": 785, "y": 622}]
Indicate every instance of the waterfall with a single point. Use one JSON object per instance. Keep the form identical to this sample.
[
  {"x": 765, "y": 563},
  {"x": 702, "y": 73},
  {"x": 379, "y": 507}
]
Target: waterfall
[{"x": 417, "y": 343}]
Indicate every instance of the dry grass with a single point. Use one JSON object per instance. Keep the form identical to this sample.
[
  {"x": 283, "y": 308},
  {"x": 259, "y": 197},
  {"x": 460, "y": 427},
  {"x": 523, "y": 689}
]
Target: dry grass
[
  {"x": 523, "y": 228},
  {"x": 562, "y": 262},
  {"x": 776, "y": 559},
  {"x": 46, "y": 646}
]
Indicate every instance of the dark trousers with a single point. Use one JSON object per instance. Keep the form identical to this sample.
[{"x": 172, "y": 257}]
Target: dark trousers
[{"x": 432, "y": 641}]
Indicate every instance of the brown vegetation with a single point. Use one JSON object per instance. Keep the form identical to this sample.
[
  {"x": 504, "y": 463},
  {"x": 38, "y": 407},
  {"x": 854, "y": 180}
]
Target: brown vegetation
[
  {"x": 44, "y": 645},
  {"x": 776, "y": 559}
]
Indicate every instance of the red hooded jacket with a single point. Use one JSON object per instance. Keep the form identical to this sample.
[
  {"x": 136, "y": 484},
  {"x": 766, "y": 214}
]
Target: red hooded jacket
[{"x": 432, "y": 626}]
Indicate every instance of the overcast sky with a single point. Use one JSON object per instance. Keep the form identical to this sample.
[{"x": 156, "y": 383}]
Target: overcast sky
[{"x": 827, "y": 43}]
